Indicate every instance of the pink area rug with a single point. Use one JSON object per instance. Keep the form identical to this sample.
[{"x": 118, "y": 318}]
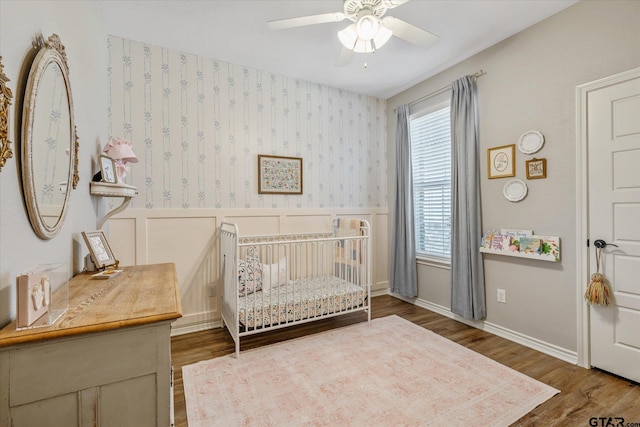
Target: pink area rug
[{"x": 389, "y": 373}]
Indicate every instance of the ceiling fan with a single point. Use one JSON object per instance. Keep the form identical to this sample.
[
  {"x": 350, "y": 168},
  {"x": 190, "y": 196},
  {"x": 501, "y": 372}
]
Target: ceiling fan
[{"x": 368, "y": 31}]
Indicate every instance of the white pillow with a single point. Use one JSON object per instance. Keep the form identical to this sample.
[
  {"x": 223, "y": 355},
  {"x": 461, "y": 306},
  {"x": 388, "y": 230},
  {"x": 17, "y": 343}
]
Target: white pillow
[{"x": 274, "y": 274}]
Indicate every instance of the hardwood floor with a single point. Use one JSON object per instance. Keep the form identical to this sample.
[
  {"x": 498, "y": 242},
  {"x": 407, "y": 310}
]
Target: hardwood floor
[{"x": 585, "y": 394}]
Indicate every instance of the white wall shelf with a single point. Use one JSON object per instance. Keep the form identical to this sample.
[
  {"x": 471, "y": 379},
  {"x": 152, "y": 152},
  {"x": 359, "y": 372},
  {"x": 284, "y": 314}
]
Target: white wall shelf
[
  {"x": 521, "y": 244},
  {"x": 539, "y": 257},
  {"x": 107, "y": 189}
]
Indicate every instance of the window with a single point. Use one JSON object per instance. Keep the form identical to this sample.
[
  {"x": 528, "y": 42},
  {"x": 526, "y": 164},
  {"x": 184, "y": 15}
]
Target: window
[{"x": 430, "y": 134}]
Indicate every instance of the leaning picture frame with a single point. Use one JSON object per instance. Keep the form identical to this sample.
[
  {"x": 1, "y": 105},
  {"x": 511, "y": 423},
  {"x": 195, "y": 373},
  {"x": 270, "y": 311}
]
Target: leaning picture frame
[
  {"x": 108, "y": 169},
  {"x": 279, "y": 175},
  {"x": 501, "y": 161},
  {"x": 536, "y": 168},
  {"x": 99, "y": 249}
]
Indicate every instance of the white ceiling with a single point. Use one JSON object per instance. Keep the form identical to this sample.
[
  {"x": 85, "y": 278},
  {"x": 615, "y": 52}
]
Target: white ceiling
[{"x": 236, "y": 31}]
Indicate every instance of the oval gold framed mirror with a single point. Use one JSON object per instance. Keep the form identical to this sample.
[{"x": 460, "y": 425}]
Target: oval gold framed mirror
[{"x": 49, "y": 153}]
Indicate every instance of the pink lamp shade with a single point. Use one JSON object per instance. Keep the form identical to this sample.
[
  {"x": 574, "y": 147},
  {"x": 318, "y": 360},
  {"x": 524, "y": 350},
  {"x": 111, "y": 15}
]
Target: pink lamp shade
[{"x": 120, "y": 149}]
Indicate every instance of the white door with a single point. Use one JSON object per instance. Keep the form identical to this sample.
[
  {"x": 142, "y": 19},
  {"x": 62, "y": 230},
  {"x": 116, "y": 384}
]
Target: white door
[{"x": 613, "y": 138}]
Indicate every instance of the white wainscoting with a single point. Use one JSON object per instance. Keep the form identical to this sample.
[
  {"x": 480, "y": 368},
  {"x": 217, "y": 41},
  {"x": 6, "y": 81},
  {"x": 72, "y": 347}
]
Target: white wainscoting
[{"x": 187, "y": 237}]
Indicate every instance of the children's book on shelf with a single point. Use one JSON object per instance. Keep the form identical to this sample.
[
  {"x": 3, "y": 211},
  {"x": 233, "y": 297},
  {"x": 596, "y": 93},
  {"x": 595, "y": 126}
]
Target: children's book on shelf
[
  {"x": 530, "y": 245},
  {"x": 550, "y": 245}
]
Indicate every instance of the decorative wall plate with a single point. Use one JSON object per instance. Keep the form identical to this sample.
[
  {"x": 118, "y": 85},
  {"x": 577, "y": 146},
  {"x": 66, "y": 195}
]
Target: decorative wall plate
[
  {"x": 530, "y": 142},
  {"x": 515, "y": 190}
]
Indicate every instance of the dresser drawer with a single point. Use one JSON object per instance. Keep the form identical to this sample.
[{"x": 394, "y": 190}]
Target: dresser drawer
[{"x": 40, "y": 371}]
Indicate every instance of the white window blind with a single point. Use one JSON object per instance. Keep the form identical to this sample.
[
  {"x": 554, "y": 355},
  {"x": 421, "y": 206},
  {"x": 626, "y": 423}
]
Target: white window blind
[{"x": 431, "y": 163}]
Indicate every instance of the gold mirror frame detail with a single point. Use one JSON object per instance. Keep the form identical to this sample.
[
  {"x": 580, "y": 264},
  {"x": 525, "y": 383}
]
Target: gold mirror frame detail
[
  {"x": 5, "y": 102},
  {"x": 49, "y": 139},
  {"x": 76, "y": 175}
]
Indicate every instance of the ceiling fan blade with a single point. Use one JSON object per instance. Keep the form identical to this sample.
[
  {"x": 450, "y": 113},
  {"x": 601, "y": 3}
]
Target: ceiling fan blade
[
  {"x": 345, "y": 58},
  {"x": 410, "y": 33},
  {"x": 283, "y": 24}
]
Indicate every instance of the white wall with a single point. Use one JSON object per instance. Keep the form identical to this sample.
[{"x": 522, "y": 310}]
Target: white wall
[
  {"x": 530, "y": 83},
  {"x": 82, "y": 33}
]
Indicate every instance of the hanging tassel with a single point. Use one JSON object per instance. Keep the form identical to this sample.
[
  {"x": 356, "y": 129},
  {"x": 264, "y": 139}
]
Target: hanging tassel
[{"x": 598, "y": 289}]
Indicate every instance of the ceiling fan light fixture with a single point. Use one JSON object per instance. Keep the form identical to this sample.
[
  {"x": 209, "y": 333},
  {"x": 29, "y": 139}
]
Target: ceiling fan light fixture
[
  {"x": 348, "y": 37},
  {"x": 367, "y": 27},
  {"x": 382, "y": 36},
  {"x": 351, "y": 39},
  {"x": 364, "y": 46}
]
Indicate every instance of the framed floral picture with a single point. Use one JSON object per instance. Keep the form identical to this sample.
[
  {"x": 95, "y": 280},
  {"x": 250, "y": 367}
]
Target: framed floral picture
[
  {"x": 500, "y": 161},
  {"x": 279, "y": 175},
  {"x": 536, "y": 168}
]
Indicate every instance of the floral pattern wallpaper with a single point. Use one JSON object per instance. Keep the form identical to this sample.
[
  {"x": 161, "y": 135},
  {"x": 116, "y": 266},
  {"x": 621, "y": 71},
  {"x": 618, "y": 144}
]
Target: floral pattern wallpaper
[{"x": 198, "y": 124}]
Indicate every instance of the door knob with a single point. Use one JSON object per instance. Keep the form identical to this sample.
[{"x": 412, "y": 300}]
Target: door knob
[{"x": 602, "y": 244}]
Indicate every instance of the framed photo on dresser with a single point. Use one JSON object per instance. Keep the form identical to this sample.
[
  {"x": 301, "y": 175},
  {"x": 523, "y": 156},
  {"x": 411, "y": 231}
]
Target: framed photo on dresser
[{"x": 99, "y": 249}]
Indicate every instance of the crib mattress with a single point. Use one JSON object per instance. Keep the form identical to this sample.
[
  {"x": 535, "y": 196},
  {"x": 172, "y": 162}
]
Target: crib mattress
[{"x": 300, "y": 299}]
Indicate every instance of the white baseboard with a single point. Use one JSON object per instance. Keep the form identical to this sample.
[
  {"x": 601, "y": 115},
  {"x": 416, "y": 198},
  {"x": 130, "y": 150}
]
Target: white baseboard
[
  {"x": 525, "y": 340},
  {"x": 196, "y": 327},
  {"x": 378, "y": 292}
]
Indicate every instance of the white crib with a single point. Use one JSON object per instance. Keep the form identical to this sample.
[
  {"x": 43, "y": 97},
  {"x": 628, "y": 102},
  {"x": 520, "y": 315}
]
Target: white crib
[{"x": 271, "y": 282}]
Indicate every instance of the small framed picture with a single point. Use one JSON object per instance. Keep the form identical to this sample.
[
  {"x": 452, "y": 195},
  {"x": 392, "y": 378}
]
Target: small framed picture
[
  {"x": 536, "y": 168},
  {"x": 99, "y": 249},
  {"x": 500, "y": 161},
  {"x": 279, "y": 175},
  {"x": 108, "y": 169}
]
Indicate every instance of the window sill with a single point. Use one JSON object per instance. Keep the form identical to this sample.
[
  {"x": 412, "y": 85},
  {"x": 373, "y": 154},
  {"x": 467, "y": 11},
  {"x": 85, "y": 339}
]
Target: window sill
[{"x": 434, "y": 262}]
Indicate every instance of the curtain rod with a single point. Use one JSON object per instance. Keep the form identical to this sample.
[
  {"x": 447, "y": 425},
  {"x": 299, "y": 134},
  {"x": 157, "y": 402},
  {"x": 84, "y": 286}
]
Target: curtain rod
[{"x": 475, "y": 75}]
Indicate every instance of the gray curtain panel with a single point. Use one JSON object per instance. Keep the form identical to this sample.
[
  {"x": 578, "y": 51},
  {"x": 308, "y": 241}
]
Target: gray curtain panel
[
  {"x": 404, "y": 275},
  {"x": 467, "y": 273}
]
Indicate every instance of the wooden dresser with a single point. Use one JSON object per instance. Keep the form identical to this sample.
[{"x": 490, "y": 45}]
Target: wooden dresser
[{"x": 105, "y": 362}]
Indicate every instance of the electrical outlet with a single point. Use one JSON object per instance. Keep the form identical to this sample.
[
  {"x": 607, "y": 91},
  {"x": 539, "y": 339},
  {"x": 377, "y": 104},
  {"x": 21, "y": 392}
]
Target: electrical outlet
[
  {"x": 502, "y": 296},
  {"x": 211, "y": 290}
]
